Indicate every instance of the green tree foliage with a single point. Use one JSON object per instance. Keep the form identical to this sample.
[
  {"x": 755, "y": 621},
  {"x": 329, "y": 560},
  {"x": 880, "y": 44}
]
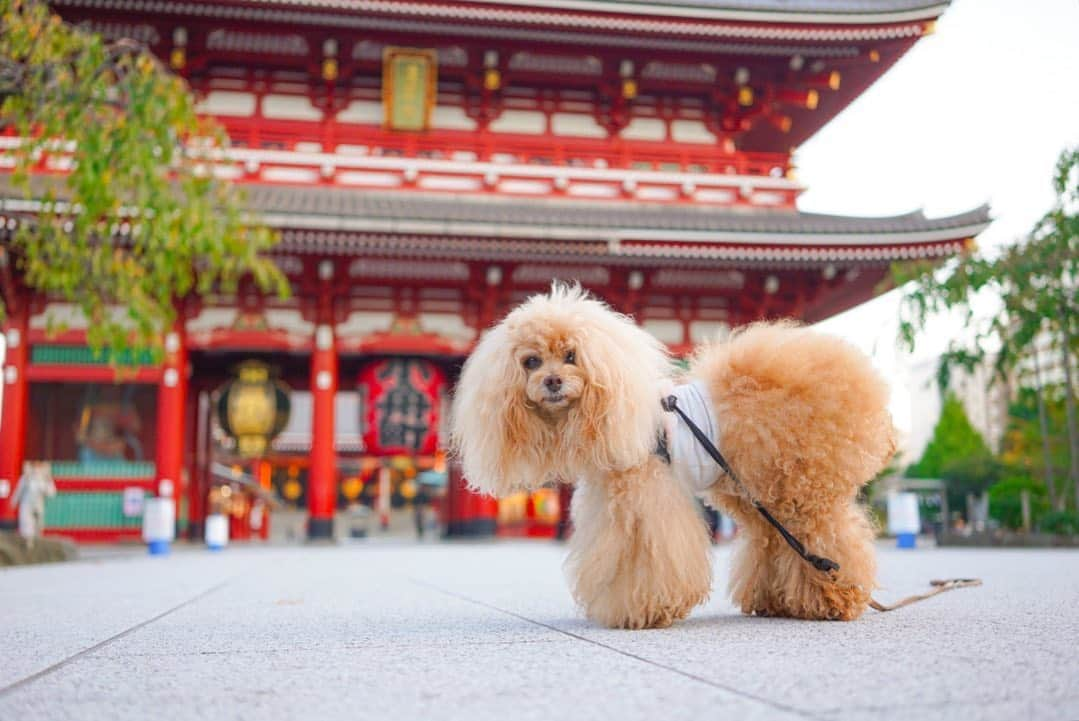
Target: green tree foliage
[
  {"x": 970, "y": 476},
  {"x": 1035, "y": 281},
  {"x": 957, "y": 454},
  {"x": 1024, "y": 443},
  {"x": 953, "y": 438},
  {"x": 1006, "y": 504},
  {"x": 141, "y": 159},
  {"x": 1064, "y": 523}
]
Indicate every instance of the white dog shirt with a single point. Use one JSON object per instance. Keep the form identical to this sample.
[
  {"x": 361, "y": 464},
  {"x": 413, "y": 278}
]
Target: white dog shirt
[{"x": 690, "y": 462}]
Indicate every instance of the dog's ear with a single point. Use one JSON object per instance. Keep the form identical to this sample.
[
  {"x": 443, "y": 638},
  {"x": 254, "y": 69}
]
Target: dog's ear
[
  {"x": 619, "y": 411},
  {"x": 497, "y": 439}
]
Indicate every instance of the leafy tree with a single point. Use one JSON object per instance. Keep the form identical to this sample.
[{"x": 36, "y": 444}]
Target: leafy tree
[
  {"x": 1036, "y": 432},
  {"x": 1006, "y": 505},
  {"x": 1036, "y": 282},
  {"x": 1060, "y": 522},
  {"x": 139, "y": 220},
  {"x": 957, "y": 453},
  {"x": 953, "y": 438},
  {"x": 970, "y": 476}
]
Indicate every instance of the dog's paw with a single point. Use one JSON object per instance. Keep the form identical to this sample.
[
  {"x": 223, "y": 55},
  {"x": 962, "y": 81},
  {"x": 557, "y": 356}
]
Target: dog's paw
[{"x": 638, "y": 619}]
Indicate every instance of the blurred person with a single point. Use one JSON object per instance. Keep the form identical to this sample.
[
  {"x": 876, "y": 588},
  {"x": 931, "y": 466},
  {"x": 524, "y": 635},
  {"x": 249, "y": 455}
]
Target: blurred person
[{"x": 34, "y": 487}]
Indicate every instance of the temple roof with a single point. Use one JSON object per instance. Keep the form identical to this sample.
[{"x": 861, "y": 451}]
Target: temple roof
[
  {"x": 575, "y": 12},
  {"x": 799, "y": 11},
  {"x": 800, "y": 6},
  {"x": 330, "y": 209},
  {"x": 805, "y": 10},
  {"x": 419, "y": 224}
]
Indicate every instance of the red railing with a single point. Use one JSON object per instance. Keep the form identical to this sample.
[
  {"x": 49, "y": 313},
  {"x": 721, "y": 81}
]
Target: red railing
[{"x": 532, "y": 149}]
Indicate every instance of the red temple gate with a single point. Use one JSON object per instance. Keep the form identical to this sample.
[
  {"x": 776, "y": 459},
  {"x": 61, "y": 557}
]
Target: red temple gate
[{"x": 429, "y": 166}]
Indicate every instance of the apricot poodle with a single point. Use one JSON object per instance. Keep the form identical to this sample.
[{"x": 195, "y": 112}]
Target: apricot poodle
[{"x": 566, "y": 389}]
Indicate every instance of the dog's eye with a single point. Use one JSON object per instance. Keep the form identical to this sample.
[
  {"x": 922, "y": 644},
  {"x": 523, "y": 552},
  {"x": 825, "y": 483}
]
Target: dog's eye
[
  {"x": 532, "y": 362},
  {"x": 571, "y": 357}
]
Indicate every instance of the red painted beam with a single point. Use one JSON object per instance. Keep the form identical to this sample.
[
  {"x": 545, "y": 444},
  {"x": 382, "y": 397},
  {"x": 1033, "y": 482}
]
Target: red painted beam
[
  {"x": 96, "y": 485},
  {"x": 96, "y": 535},
  {"x": 59, "y": 373},
  {"x": 256, "y": 340},
  {"x": 427, "y": 344}
]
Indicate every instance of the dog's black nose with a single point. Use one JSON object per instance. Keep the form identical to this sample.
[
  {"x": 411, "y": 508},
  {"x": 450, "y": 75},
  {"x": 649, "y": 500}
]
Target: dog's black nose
[{"x": 553, "y": 383}]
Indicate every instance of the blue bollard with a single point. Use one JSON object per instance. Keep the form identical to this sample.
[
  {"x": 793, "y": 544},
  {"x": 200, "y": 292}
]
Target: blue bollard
[{"x": 159, "y": 548}]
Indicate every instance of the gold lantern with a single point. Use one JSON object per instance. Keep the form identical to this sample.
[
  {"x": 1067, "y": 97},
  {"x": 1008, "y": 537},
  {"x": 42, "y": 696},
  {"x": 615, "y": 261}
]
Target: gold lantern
[{"x": 253, "y": 408}]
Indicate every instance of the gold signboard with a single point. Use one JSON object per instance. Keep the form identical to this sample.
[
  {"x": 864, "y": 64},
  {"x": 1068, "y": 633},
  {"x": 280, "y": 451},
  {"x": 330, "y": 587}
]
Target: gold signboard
[{"x": 409, "y": 83}]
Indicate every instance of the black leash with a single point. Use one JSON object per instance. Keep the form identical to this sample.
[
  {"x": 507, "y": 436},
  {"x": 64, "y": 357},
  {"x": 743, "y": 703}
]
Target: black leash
[{"x": 670, "y": 404}]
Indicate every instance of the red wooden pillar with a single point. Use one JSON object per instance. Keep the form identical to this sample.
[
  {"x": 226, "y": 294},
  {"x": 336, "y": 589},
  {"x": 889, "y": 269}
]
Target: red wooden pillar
[
  {"x": 13, "y": 411},
  {"x": 171, "y": 407},
  {"x": 322, "y": 474},
  {"x": 468, "y": 514}
]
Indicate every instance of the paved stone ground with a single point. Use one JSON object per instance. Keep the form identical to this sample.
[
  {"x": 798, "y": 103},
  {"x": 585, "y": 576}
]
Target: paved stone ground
[{"x": 455, "y": 631}]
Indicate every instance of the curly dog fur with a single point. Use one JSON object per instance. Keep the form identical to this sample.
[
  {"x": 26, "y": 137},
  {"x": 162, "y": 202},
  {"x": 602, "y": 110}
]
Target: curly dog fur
[{"x": 565, "y": 389}]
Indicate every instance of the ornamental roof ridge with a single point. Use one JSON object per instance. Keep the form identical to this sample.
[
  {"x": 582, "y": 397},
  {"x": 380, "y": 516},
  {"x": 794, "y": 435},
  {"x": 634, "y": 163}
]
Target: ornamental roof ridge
[
  {"x": 748, "y": 19},
  {"x": 811, "y": 11}
]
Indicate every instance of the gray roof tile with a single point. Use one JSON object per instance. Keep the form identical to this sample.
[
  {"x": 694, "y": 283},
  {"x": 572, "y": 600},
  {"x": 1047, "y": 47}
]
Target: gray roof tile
[
  {"x": 346, "y": 204},
  {"x": 865, "y": 7}
]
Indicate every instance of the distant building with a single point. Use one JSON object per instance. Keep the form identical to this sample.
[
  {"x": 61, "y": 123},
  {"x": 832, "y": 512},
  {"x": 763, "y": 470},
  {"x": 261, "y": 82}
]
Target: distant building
[{"x": 984, "y": 399}]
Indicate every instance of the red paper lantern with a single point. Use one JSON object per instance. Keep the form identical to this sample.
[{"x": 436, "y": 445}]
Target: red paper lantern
[{"x": 402, "y": 406}]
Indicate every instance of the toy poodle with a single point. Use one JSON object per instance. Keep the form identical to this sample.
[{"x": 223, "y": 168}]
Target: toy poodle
[{"x": 565, "y": 389}]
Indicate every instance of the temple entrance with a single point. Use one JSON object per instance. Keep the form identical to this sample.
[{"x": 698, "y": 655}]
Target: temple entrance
[{"x": 389, "y": 467}]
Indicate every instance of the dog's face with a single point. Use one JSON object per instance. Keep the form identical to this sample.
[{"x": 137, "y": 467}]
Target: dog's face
[
  {"x": 561, "y": 387},
  {"x": 551, "y": 377}
]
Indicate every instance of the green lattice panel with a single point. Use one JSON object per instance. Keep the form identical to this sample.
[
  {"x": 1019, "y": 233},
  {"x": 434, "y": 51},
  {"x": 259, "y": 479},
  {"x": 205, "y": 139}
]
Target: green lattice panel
[
  {"x": 81, "y": 355},
  {"x": 88, "y": 510},
  {"x": 103, "y": 469}
]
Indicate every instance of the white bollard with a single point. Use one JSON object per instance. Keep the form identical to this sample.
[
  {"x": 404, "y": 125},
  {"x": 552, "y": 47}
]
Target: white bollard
[
  {"x": 217, "y": 531},
  {"x": 903, "y": 518},
  {"x": 158, "y": 525}
]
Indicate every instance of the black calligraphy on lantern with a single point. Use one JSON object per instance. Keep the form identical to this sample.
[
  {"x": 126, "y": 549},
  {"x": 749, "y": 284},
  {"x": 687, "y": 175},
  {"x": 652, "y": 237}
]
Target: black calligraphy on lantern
[{"x": 404, "y": 418}]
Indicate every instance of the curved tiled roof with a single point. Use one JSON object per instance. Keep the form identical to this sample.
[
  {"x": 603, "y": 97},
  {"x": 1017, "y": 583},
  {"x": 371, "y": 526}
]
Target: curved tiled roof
[
  {"x": 424, "y": 213},
  {"x": 655, "y": 14},
  {"x": 789, "y": 6},
  {"x": 807, "y": 11},
  {"x": 807, "y": 7},
  {"x": 414, "y": 224}
]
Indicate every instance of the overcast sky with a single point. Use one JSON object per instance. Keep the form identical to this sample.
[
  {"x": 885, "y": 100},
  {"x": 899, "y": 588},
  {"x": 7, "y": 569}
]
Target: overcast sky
[{"x": 976, "y": 113}]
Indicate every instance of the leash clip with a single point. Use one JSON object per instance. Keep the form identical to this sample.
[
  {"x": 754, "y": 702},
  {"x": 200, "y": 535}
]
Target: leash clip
[{"x": 822, "y": 564}]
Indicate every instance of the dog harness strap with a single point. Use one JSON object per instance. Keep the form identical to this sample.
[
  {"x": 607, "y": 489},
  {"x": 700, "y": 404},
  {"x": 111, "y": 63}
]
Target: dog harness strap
[{"x": 670, "y": 404}]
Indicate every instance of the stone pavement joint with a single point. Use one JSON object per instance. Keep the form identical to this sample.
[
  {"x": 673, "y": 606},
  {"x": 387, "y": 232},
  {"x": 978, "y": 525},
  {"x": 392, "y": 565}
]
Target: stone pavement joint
[
  {"x": 671, "y": 669},
  {"x": 378, "y": 631},
  {"x": 112, "y": 639}
]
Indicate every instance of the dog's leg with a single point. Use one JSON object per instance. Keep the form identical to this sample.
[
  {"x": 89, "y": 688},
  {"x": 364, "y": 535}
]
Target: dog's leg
[
  {"x": 639, "y": 554},
  {"x": 770, "y": 579}
]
